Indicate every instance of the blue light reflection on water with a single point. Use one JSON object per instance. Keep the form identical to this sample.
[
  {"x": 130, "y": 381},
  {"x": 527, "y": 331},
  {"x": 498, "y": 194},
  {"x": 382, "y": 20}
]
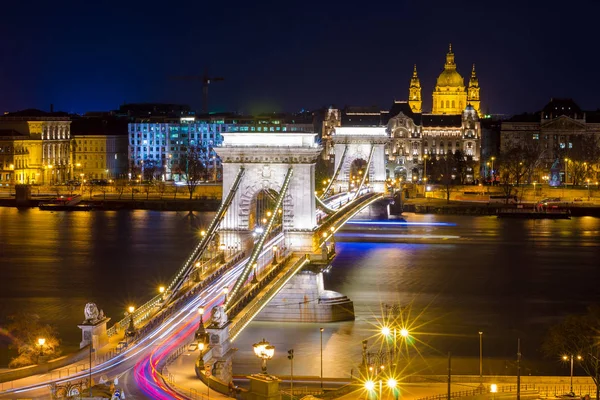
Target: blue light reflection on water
[{"x": 400, "y": 223}]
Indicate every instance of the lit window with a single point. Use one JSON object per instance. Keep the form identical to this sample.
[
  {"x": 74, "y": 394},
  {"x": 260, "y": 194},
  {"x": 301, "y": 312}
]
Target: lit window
[{"x": 536, "y": 136}]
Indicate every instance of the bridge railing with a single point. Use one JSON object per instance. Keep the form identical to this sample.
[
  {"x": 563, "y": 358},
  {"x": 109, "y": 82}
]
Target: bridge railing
[
  {"x": 150, "y": 309},
  {"x": 236, "y": 326}
]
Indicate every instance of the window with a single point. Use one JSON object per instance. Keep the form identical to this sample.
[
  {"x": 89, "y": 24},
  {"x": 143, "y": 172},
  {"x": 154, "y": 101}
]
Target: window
[
  {"x": 570, "y": 145},
  {"x": 562, "y": 146},
  {"x": 453, "y": 105},
  {"x": 447, "y": 103},
  {"x": 536, "y": 136}
]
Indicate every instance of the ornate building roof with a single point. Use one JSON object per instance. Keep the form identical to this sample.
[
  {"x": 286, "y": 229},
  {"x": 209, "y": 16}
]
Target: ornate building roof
[{"x": 450, "y": 77}]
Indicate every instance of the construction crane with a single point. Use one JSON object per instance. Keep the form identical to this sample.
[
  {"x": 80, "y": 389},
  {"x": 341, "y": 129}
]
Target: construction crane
[{"x": 206, "y": 80}]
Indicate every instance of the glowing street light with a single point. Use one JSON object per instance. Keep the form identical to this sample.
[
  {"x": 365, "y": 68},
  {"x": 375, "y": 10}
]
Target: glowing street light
[
  {"x": 41, "y": 342},
  {"x": 404, "y": 332},
  {"x": 225, "y": 292},
  {"x": 370, "y": 385},
  {"x": 131, "y": 329},
  {"x": 264, "y": 351},
  {"x": 565, "y": 358},
  {"x": 161, "y": 289},
  {"x": 385, "y": 331}
]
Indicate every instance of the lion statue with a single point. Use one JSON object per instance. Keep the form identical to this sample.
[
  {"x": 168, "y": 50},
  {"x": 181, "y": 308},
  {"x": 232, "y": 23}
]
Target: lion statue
[
  {"x": 91, "y": 313},
  {"x": 218, "y": 316}
]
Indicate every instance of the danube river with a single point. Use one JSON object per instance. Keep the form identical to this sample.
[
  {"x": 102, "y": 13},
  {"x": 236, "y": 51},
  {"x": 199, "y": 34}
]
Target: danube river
[{"x": 460, "y": 275}]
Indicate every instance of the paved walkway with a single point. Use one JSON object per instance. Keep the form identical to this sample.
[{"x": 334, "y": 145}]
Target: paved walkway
[{"x": 182, "y": 377}]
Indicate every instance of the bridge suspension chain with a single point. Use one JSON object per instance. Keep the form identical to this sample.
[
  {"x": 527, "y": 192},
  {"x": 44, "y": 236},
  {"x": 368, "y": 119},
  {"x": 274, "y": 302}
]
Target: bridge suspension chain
[
  {"x": 362, "y": 181},
  {"x": 324, "y": 206},
  {"x": 335, "y": 174},
  {"x": 188, "y": 266},
  {"x": 261, "y": 241}
]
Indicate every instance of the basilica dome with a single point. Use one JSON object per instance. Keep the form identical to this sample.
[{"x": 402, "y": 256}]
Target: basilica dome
[{"x": 450, "y": 78}]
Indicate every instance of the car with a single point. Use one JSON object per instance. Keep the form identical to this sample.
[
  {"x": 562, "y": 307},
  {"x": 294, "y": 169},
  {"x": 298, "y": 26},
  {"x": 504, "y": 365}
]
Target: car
[{"x": 549, "y": 201}]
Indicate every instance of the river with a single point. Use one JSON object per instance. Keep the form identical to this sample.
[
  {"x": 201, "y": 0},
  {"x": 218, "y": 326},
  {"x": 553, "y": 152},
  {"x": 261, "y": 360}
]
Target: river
[{"x": 460, "y": 275}]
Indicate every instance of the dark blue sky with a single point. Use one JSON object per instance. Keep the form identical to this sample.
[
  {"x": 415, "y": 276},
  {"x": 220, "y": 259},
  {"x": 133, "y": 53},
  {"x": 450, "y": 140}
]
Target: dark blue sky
[{"x": 285, "y": 56}]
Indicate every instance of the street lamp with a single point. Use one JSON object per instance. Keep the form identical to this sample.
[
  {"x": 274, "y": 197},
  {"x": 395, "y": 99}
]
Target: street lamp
[
  {"x": 225, "y": 291},
  {"x": 200, "y": 335},
  {"x": 41, "y": 342},
  {"x": 131, "y": 329},
  {"x": 565, "y": 358},
  {"x": 264, "y": 351},
  {"x": 321, "y": 330},
  {"x": 161, "y": 289},
  {"x": 392, "y": 384},
  {"x": 481, "y": 357},
  {"x": 274, "y": 254},
  {"x": 566, "y": 171},
  {"x": 254, "y": 279}
]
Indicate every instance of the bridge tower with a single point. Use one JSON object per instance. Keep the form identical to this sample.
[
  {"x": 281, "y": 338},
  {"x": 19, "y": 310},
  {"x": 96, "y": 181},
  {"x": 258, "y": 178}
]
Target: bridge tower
[
  {"x": 359, "y": 143},
  {"x": 267, "y": 159}
]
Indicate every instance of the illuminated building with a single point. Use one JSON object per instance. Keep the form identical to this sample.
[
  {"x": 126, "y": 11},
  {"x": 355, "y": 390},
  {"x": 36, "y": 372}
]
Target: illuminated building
[
  {"x": 450, "y": 95},
  {"x": 414, "y": 93},
  {"x": 560, "y": 130},
  {"x": 53, "y": 130},
  {"x": 99, "y": 148},
  {"x": 20, "y": 158},
  {"x": 160, "y": 143}
]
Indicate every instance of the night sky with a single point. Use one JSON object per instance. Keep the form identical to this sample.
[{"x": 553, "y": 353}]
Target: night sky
[{"x": 288, "y": 56}]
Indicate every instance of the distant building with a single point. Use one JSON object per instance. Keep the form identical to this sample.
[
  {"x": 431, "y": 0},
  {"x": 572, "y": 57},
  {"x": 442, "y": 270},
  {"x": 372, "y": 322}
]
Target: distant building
[
  {"x": 20, "y": 158},
  {"x": 48, "y": 131},
  {"x": 160, "y": 142},
  {"x": 99, "y": 148},
  {"x": 561, "y": 130}
]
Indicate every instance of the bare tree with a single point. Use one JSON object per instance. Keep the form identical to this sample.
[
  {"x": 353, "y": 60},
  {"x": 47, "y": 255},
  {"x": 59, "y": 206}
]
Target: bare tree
[
  {"x": 120, "y": 185},
  {"x": 512, "y": 170},
  {"x": 192, "y": 168},
  {"x": 577, "y": 335},
  {"x": 445, "y": 167}
]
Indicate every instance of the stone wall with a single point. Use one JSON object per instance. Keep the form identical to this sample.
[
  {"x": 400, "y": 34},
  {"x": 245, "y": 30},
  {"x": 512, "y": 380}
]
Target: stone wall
[{"x": 304, "y": 299}]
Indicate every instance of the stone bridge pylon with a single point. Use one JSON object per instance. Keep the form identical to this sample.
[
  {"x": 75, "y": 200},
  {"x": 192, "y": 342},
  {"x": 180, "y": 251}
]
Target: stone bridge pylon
[{"x": 267, "y": 157}]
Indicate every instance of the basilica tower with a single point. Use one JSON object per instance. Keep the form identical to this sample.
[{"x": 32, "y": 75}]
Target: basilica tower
[
  {"x": 414, "y": 93},
  {"x": 473, "y": 92},
  {"x": 449, "y": 95}
]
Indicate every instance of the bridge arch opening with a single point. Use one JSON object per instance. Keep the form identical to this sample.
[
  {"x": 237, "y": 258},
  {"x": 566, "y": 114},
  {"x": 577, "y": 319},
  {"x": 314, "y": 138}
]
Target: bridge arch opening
[{"x": 262, "y": 208}]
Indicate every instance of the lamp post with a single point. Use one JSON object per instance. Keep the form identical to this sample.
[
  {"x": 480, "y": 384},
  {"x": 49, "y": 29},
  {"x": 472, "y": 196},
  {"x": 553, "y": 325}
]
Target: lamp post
[
  {"x": 425, "y": 157},
  {"x": 131, "y": 329},
  {"x": 41, "y": 342},
  {"x": 480, "y": 357},
  {"x": 264, "y": 351},
  {"x": 492, "y": 158},
  {"x": 291, "y": 358},
  {"x": 565, "y": 357},
  {"x": 321, "y": 330},
  {"x": 392, "y": 384},
  {"x": 566, "y": 171},
  {"x": 200, "y": 332},
  {"x": 225, "y": 292},
  {"x": 254, "y": 278}
]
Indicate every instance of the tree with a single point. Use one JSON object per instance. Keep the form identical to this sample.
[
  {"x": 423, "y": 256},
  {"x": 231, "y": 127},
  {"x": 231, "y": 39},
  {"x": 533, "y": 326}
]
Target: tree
[
  {"x": 445, "y": 168},
  {"x": 460, "y": 166},
  {"x": 191, "y": 166},
  {"x": 577, "y": 335},
  {"x": 511, "y": 169},
  {"x": 25, "y": 331},
  {"x": 120, "y": 185}
]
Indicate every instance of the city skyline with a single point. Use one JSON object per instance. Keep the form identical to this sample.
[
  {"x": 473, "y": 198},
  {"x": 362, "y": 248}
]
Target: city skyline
[{"x": 288, "y": 59}]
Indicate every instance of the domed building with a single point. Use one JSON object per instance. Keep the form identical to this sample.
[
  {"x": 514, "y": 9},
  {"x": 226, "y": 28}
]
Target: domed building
[{"x": 450, "y": 96}]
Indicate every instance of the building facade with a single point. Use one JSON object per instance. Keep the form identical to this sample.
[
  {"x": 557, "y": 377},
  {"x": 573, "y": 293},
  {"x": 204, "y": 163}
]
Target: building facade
[
  {"x": 20, "y": 158},
  {"x": 561, "y": 133},
  {"x": 160, "y": 143},
  {"x": 99, "y": 148},
  {"x": 54, "y": 133}
]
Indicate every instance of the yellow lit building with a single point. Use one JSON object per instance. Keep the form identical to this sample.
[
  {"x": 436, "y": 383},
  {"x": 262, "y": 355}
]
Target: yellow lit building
[
  {"x": 450, "y": 95},
  {"x": 20, "y": 158}
]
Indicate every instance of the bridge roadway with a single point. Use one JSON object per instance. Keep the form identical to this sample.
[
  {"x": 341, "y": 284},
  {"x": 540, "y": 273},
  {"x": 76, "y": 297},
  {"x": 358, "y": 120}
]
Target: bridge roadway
[{"x": 138, "y": 366}]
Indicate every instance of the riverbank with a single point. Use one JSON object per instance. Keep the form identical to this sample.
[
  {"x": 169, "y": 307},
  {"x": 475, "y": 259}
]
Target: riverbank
[
  {"x": 437, "y": 206},
  {"x": 197, "y": 204}
]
